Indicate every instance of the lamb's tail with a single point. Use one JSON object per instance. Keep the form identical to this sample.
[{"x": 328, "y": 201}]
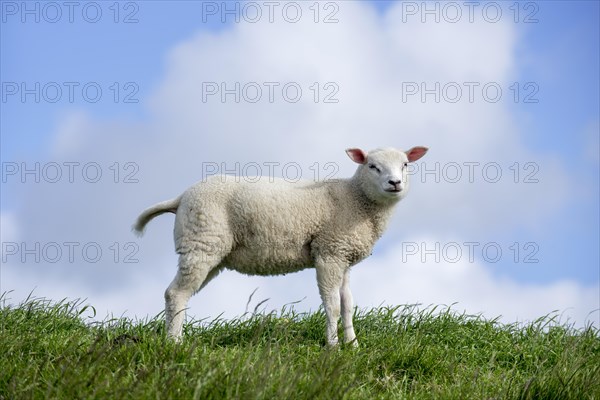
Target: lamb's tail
[{"x": 155, "y": 210}]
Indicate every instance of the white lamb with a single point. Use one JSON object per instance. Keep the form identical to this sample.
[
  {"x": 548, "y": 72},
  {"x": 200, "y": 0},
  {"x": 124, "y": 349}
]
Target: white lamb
[{"x": 271, "y": 228}]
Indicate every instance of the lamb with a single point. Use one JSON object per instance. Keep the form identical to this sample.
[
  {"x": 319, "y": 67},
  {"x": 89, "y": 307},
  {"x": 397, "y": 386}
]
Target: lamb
[{"x": 277, "y": 227}]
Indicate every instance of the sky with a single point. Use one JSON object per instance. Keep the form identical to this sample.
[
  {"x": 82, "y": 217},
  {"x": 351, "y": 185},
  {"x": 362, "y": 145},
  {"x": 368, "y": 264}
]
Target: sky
[{"x": 108, "y": 108}]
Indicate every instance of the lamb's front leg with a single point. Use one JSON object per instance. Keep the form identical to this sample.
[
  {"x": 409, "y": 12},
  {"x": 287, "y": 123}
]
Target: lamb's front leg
[
  {"x": 329, "y": 278},
  {"x": 347, "y": 310}
]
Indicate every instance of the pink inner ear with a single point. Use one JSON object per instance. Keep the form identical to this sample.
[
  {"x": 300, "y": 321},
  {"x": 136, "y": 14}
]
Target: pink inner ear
[
  {"x": 357, "y": 155},
  {"x": 416, "y": 152}
]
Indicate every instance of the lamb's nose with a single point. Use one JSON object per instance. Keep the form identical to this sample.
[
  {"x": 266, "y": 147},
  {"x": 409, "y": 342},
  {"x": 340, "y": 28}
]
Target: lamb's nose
[{"x": 394, "y": 183}]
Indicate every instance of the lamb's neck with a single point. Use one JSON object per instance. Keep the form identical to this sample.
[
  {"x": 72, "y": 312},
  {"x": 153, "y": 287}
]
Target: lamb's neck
[
  {"x": 378, "y": 212},
  {"x": 380, "y": 217}
]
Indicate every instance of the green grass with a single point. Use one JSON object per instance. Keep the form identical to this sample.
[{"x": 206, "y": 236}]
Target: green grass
[{"x": 48, "y": 350}]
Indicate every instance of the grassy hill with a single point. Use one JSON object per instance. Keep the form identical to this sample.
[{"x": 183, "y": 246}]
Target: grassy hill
[{"x": 47, "y": 350}]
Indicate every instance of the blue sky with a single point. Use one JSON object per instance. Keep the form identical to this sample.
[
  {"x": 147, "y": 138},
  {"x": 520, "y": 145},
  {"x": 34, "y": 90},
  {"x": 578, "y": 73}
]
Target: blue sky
[{"x": 559, "y": 53}]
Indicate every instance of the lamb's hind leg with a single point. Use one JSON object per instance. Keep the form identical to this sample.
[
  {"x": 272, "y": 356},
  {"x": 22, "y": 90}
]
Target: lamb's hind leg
[{"x": 195, "y": 270}]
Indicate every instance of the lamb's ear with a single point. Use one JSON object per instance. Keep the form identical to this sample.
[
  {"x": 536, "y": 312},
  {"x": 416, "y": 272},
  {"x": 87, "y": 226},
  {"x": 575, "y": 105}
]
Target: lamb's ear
[
  {"x": 357, "y": 155},
  {"x": 416, "y": 152}
]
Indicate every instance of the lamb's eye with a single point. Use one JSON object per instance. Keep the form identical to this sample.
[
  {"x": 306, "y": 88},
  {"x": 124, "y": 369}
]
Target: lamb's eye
[{"x": 373, "y": 166}]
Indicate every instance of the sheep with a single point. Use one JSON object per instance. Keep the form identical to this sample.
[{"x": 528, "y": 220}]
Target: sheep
[{"x": 271, "y": 226}]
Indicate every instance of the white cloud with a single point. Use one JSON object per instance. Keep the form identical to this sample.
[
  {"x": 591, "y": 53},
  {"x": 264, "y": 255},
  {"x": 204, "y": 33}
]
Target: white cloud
[
  {"x": 473, "y": 286},
  {"x": 70, "y": 134},
  {"x": 9, "y": 231},
  {"x": 368, "y": 57}
]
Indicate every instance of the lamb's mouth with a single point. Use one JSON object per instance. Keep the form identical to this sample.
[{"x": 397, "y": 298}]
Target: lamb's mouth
[{"x": 393, "y": 190}]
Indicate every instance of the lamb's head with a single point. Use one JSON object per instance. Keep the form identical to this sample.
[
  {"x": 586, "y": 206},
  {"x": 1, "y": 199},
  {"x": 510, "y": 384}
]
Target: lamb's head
[{"x": 383, "y": 173}]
